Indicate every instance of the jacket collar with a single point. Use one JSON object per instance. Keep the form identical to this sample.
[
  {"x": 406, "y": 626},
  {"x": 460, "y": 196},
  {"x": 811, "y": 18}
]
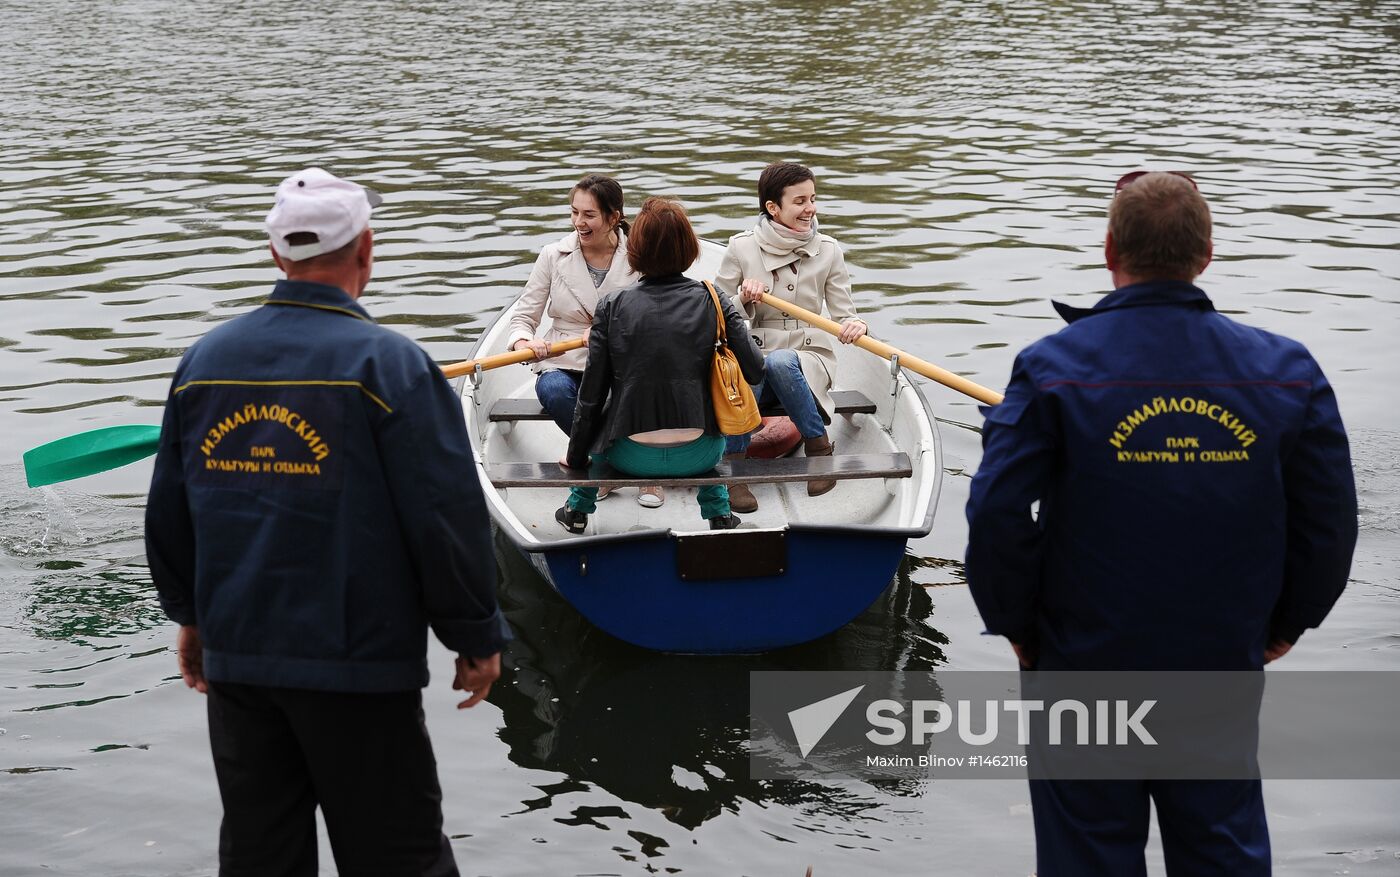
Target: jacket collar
[
  {"x": 567, "y": 244},
  {"x": 302, "y": 293},
  {"x": 1153, "y": 292},
  {"x": 574, "y": 267}
]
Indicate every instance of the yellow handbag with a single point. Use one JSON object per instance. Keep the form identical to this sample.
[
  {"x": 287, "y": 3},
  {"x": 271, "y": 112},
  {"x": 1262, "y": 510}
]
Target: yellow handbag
[{"x": 736, "y": 409}]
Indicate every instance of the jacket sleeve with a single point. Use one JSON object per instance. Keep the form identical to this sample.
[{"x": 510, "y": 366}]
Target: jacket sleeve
[
  {"x": 728, "y": 278},
  {"x": 431, "y": 472},
  {"x": 741, "y": 342},
  {"x": 838, "y": 289},
  {"x": 1005, "y": 542},
  {"x": 1320, "y": 491},
  {"x": 526, "y": 320},
  {"x": 170, "y": 550},
  {"x": 593, "y": 387}
]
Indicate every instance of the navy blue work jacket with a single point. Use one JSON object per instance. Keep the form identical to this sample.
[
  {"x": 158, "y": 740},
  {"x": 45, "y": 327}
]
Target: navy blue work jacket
[
  {"x": 315, "y": 505},
  {"x": 1195, "y": 491}
]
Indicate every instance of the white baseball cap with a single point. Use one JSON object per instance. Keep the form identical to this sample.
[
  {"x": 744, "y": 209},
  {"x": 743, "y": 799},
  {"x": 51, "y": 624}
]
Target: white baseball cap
[{"x": 319, "y": 203}]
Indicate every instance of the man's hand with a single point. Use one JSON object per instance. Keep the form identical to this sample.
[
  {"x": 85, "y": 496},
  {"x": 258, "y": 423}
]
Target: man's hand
[
  {"x": 474, "y": 676},
  {"x": 189, "y": 651},
  {"x": 1024, "y": 655},
  {"x": 1275, "y": 650}
]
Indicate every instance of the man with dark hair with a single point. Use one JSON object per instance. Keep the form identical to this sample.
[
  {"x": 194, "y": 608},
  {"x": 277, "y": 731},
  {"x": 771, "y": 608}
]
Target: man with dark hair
[
  {"x": 1196, "y": 512},
  {"x": 314, "y": 509}
]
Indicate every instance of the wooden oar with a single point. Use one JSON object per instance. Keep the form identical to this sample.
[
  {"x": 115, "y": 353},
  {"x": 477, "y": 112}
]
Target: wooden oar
[
  {"x": 885, "y": 351},
  {"x": 98, "y": 450},
  {"x": 457, "y": 369}
]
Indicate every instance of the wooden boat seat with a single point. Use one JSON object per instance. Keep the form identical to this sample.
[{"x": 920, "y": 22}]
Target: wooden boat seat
[
  {"x": 846, "y": 401},
  {"x": 839, "y": 466}
]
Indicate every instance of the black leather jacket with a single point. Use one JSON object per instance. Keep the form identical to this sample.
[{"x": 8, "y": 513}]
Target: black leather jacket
[{"x": 649, "y": 361}]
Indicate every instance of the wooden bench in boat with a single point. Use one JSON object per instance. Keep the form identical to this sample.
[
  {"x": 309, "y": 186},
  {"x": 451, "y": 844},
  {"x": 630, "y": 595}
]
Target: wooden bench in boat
[
  {"x": 846, "y": 402},
  {"x": 839, "y": 466}
]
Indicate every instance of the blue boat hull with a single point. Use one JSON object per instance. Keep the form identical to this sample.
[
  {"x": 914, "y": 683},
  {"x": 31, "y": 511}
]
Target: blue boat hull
[{"x": 632, "y": 589}]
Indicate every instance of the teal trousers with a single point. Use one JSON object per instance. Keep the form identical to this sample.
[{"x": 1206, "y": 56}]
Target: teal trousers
[{"x": 692, "y": 458}]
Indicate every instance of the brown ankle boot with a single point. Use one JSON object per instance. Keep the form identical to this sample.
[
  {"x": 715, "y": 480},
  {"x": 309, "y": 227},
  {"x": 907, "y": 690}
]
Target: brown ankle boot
[
  {"x": 741, "y": 499},
  {"x": 820, "y": 446}
]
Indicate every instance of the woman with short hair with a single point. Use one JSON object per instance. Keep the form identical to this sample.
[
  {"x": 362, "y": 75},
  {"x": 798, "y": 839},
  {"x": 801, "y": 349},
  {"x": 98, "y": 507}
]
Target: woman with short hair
[
  {"x": 568, "y": 279},
  {"x": 785, "y": 254},
  {"x": 644, "y": 403}
]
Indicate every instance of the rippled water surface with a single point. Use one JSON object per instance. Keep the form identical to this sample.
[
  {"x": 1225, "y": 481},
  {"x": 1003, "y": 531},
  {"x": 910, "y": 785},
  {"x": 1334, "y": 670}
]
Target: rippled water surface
[{"x": 965, "y": 153}]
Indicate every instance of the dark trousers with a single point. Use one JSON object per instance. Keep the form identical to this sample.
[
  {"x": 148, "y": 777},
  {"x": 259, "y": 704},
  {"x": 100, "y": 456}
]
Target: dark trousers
[
  {"x": 365, "y": 759},
  {"x": 1208, "y": 827}
]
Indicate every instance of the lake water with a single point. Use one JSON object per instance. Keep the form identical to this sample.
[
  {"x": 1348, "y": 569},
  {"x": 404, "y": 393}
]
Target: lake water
[{"x": 965, "y": 154}]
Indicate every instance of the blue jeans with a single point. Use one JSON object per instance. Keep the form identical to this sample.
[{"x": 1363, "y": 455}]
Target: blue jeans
[
  {"x": 691, "y": 458},
  {"x": 557, "y": 390},
  {"x": 784, "y": 383}
]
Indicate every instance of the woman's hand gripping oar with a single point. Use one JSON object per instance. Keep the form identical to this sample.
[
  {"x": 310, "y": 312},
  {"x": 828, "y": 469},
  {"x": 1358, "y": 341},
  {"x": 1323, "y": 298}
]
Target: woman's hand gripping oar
[
  {"x": 457, "y": 369},
  {"x": 885, "y": 351}
]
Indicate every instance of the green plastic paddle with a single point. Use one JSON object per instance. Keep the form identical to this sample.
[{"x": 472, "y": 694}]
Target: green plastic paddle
[{"x": 88, "y": 453}]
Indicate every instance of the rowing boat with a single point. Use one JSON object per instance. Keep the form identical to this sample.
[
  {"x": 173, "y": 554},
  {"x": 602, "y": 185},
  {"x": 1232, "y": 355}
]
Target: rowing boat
[
  {"x": 572, "y": 688},
  {"x": 800, "y": 568}
]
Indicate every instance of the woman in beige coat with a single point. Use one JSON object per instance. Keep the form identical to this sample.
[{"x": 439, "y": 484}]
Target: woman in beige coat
[
  {"x": 568, "y": 279},
  {"x": 785, "y": 254}
]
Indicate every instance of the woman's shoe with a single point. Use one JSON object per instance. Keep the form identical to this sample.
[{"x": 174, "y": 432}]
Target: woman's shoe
[
  {"x": 573, "y": 521},
  {"x": 651, "y": 497},
  {"x": 724, "y": 522},
  {"x": 741, "y": 498},
  {"x": 603, "y": 493},
  {"x": 820, "y": 446}
]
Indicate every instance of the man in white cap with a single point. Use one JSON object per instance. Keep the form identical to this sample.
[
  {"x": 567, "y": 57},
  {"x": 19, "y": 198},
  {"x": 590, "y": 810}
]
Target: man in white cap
[{"x": 314, "y": 509}]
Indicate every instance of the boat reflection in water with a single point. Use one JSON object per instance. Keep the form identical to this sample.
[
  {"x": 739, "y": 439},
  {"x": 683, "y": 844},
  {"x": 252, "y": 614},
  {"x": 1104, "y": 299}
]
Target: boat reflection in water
[{"x": 670, "y": 732}]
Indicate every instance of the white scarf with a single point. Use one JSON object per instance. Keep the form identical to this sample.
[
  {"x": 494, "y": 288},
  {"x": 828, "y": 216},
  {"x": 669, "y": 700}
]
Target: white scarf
[{"x": 778, "y": 240}]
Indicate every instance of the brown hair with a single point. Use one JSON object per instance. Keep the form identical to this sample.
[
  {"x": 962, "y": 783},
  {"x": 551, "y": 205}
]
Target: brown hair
[
  {"x": 777, "y": 177},
  {"x": 662, "y": 241},
  {"x": 608, "y": 193},
  {"x": 1160, "y": 227}
]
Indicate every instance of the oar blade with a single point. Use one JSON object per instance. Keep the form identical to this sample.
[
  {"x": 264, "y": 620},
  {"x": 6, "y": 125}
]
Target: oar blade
[{"x": 88, "y": 453}]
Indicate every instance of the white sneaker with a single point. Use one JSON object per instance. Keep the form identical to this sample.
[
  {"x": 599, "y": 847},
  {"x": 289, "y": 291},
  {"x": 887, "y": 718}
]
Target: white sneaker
[{"x": 651, "y": 497}]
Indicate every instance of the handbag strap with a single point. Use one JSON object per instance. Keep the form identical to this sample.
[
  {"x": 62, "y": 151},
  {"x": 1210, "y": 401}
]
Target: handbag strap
[{"x": 721, "y": 336}]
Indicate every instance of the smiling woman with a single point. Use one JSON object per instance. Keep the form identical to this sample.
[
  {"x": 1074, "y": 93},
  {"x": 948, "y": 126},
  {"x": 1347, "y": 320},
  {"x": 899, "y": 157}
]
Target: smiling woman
[
  {"x": 785, "y": 254},
  {"x": 569, "y": 279}
]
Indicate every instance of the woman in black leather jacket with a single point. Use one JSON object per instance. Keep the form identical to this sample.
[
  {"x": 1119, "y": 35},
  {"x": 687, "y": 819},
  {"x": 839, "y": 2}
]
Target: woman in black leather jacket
[{"x": 644, "y": 402}]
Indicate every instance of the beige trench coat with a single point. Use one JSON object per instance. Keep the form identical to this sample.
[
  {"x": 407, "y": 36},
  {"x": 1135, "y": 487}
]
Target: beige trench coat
[
  {"x": 561, "y": 285},
  {"x": 817, "y": 281}
]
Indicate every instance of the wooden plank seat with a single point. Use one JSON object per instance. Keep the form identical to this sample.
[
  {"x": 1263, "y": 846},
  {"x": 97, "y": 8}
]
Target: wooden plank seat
[
  {"x": 846, "y": 401},
  {"x": 839, "y": 466}
]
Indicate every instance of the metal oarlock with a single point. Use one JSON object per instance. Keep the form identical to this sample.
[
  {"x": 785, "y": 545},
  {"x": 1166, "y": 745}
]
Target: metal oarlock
[
  {"x": 476, "y": 382},
  {"x": 894, "y": 387}
]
